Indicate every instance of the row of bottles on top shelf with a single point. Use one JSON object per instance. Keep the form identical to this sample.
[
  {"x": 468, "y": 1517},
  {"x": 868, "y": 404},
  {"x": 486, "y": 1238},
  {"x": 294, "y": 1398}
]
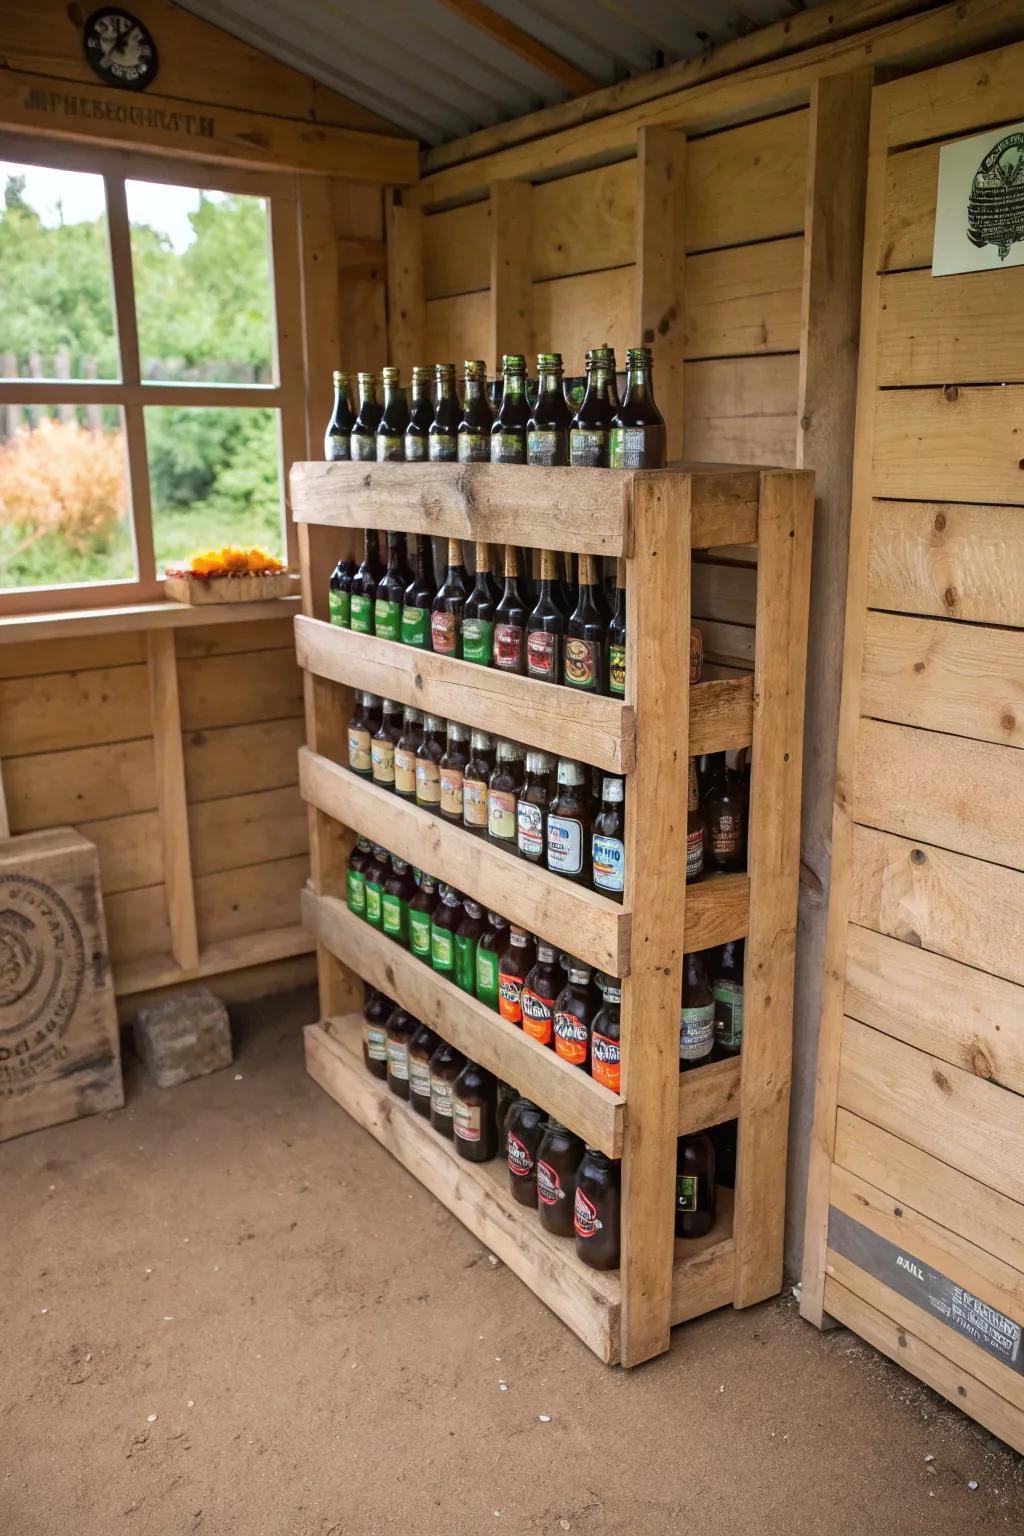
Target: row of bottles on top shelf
[
  {"x": 556, "y": 999},
  {"x": 574, "y": 1188},
  {"x": 541, "y": 423}
]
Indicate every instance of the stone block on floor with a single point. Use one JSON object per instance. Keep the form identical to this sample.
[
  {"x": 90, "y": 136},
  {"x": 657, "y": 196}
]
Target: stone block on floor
[{"x": 184, "y": 1036}]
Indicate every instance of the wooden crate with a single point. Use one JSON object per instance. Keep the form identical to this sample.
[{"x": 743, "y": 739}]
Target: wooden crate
[{"x": 654, "y": 520}]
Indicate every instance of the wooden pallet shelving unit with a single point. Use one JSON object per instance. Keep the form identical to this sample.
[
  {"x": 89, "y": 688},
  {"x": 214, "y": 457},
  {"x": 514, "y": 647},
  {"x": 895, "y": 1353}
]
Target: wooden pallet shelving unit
[{"x": 653, "y": 519}]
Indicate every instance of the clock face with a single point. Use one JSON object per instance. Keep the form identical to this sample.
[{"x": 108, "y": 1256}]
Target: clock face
[{"x": 120, "y": 49}]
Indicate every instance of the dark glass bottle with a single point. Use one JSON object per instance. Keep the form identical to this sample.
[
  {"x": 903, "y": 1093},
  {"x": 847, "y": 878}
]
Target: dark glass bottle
[
  {"x": 474, "y": 1104},
  {"x": 394, "y": 420},
  {"x": 507, "y": 1096},
  {"x": 421, "y": 907},
  {"x": 355, "y": 877},
  {"x": 638, "y": 432},
  {"x": 724, "y": 1138},
  {"x": 443, "y": 437},
  {"x": 446, "y": 611},
  {"x": 524, "y": 1128},
  {"x": 445, "y": 1066},
  {"x": 596, "y": 1210},
  {"x": 418, "y": 597},
  {"x": 443, "y": 923},
  {"x": 617, "y": 636},
  {"x": 510, "y": 617},
  {"x": 545, "y": 628},
  {"x": 363, "y": 436},
  {"x": 387, "y": 610},
  {"x": 508, "y": 434},
  {"x": 364, "y": 585},
  {"x": 547, "y": 430},
  {"x": 695, "y": 1185},
  {"x": 586, "y": 636},
  {"x": 605, "y": 1049},
  {"x": 537, "y": 1000},
  {"x": 428, "y": 763},
  {"x": 727, "y": 990},
  {"x": 396, "y": 893},
  {"x": 575, "y": 1007},
  {"x": 478, "y": 612},
  {"x": 360, "y": 733},
  {"x": 421, "y": 1047},
  {"x": 336, "y": 438},
  {"x": 608, "y": 848},
  {"x": 532, "y": 807},
  {"x": 710, "y": 767},
  {"x": 382, "y": 746},
  {"x": 421, "y": 414},
  {"x": 467, "y": 938},
  {"x": 558, "y": 1158},
  {"x": 514, "y": 966},
  {"x": 591, "y": 426},
  {"x": 696, "y": 1015},
  {"x": 474, "y": 441},
  {"x": 453, "y": 765},
  {"x": 570, "y": 820},
  {"x": 406, "y": 748},
  {"x": 401, "y": 1027},
  {"x": 475, "y": 779},
  {"x": 339, "y": 594},
  {"x": 503, "y": 791},
  {"x": 695, "y": 828},
  {"x": 376, "y": 1008},
  {"x": 488, "y": 959},
  {"x": 377, "y": 872},
  {"x": 725, "y": 812}
]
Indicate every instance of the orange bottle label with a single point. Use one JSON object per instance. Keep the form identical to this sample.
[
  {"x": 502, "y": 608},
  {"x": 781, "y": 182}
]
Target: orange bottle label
[
  {"x": 510, "y": 989},
  {"x": 570, "y": 1038}
]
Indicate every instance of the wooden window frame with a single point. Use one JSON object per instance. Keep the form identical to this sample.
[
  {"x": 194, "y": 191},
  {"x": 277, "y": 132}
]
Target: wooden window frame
[{"x": 130, "y": 393}]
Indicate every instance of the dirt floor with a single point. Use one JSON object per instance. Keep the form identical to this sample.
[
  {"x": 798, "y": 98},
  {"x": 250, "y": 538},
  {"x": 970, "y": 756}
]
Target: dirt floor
[{"x": 226, "y": 1310}]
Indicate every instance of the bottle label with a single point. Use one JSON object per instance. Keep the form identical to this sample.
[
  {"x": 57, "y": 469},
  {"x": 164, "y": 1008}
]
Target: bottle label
[
  {"x": 359, "y": 751},
  {"x": 565, "y": 845},
  {"x": 382, "y": 758},
  {"x": 415, "y": 627},
  {"x": 508, "y": 448},
  {"x": 361, "y": 613},
  {"x": 419, "y": 1078},
  {"x": 442, "y": 448},
  {"x": 520, "y": 1163},
  {"x": 541, "y": 655},
  {"x": 729, "y": 1013},
  {"x": 634, "y": 448},
  {"x": 696, "y": 1032},
  {"x": 468, "y": 1120},
  {"x": 487, "y": 976},
  {"x": 441, "y": 1098},
  {"x": 580, "y": 664},
  {"x": 387, "y": 619},
  {"x": 501, "y": 814},
  {"x": 609, "y": 863},
  {"x": 415, "y": 448},
  {"x": 617, "y": 670},
  {"x": 419, "y": 934},
  {"x": 695, "y": 853},
  {"x": 687, "y": 1191},
  {"x": 570, "y": 1038},
  {"x": 376, "y": 1044},
  {"x": 390, "y": 448},
  {"x": 588, "y": 447},
  {"x": 508, "y": 647},
  {"x": 356, "y": 887},
  {"x": 405, "y": 772},
  {"x": 451, "y": 793},
  {"x": 339, "y": 607},
  {"x": 373, "y": 903},
  {"x": 538, "y": 1016},
  {"x": 428, "y": 782},
  {"x": 549, "y": 1185},
  {"x": 584, "y": 1215},
  {"x": 530, "y": 829},
  {"x": 363, "y": 447},
  {"x": 477, "y": 635},
  {"x": 726, "y": 833},
  {"x": 444, "y": 632},
  {"x": 442, "y": 949},
  {"x": 545, "y": 447},
  {"x": 605, "y": 1061},
  {"x": 336, "y": 447},
  {"x": 474, "y": 802},
  {"x": 474, "y": 447},
  {"x": 510, "y": 995},
  {"x": 398, "y": 1060},
  {"x": 393, "y": 916},
  {"x": 465, "y": 962}
]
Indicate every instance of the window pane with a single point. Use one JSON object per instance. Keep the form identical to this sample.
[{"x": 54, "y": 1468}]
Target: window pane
[
  {"x": 201, "y": 262},
  {"x": 215, "y": 479},
  {"x": 64, "y": 509},
  {"x": 57, "y": 312}
]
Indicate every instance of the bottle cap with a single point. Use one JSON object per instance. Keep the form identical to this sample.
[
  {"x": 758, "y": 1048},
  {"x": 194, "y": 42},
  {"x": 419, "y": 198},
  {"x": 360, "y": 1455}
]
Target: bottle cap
[
  {"x": 612, "y": 789},
  {"x": 537, "y": 762},
  {"x": 473, "y": 908},
  {"x": 428, "y": 882},
  {"x": 569, "y": 772},
  {"x": 519, "y": 936},
  {"x": 363, "y": 844},
  {"x": 474, "y": 370},
  {"x": 513, "y": 362},
  {"x": 433, "y": 723},
  {"x": 380, "y": 851},
  {"x": 367, "y": 380},
  {"x": 444, "y": 371},
  {"x": 457, "y": 732},
  {"x": 603, "y": 357},
  {"x": 480, "y": 741},
  {"x": 390, "y": 706},
  {"x": 390, "y": 376},
  {"x": 450, "y": 896},
  {"x": 547, "y": 362},
  {"x": 496, "y": 918},
  {"x": 638, "y": 357},
  {"x": 412, "y": 715},
  {"x": 340, "y": 379},
  {"x": 545, "y": 952},
  {"x": 399, "y": 865},
  {"x": 371, "y": 700},
  {"x": 510, "y": 752},
  {"x": 421, "y": 374},
  {"x": 579, "y": 974}
]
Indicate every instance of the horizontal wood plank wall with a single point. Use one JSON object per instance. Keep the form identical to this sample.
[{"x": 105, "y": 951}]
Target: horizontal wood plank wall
[{"x": 920, "y": 1119}]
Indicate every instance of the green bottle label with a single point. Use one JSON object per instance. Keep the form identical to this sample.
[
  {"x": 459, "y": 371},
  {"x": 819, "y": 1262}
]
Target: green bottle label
[
  {"x": 477, "y": 635},
  {"x": 416, "y": 627},
  {"x": 339, "y": 608},
  {"x": 363, "y": 447},
  {"x": 588, "y": 447},
  {"x": 545, "y": 447},
  {"x": 487, "y": 977},
  {"x": 357, "y": 892},
  {"x": 387, "y": 619},
  {"x": 394, "y": 917},
  {"x": 633, "y": 448},
  {"x": 390, "y": 448},
  {"x": 443, "y": 448},
  {"x": 474, "y": 447},
  {"x": 442, "y": 952},
  {"x": 508, "y": 448},
  {"x": 728, "y": 997},
  {"x": 617, "y": 670},
  {"x": 415, "y": 448},
  {"x": 361, "y": 614},
  {"x": 687, "y": 1189},
  {"x": 419, "y": 934},
  {"x": 465, "y": 962},
  {"x": 373, "y": 903},
  {"x": 336, "y": 447}
]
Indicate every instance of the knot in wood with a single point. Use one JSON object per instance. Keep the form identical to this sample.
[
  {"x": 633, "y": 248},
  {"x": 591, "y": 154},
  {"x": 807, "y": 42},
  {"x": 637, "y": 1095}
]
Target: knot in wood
[
  {"x": 981, "y": 1066},
  {"x": 951, "y": 393},
  {"x": 918, "y": 856},
  {"x": 940, "y": 522}
]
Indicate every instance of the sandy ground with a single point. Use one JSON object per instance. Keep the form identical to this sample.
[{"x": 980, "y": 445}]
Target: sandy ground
[{"x": 226, "y": 1310}]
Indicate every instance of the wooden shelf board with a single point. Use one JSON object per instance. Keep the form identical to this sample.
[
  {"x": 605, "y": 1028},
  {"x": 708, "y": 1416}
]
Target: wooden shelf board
[
  {"x": 561, "y": 720},
  {"x": 717, "y": 910},
  {"x": 702, "y": 1274},
  {"x": 477, "y": 1193},
  {"x": 19, "y": 629},
  {"x": 153, "y": 971},
  {"x": 568, "y": 915},
  {"x": 573, "y": 1096},
  {"x": 709, "y": 1096},
  {"x": 721, "y": 715}
]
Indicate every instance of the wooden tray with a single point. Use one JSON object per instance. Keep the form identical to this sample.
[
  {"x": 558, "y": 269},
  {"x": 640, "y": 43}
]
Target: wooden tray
[{"x": 197, "y": 590}]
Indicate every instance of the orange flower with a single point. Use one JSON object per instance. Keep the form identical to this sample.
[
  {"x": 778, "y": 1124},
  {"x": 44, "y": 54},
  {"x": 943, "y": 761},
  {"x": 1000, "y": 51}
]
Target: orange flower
[{"x": 232, "y": 560}]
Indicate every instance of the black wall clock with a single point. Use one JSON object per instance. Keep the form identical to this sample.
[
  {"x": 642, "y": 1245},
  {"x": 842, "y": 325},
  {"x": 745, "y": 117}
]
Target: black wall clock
[{"x": 120, "y": 49}]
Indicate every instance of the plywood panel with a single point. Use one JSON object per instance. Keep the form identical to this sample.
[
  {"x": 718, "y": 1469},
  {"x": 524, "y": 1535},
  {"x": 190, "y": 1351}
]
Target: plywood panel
[
  {"x": 572, "y": 314},
  {"x": 952, "y": 444},
  {"x": 36, "y": 657},
  {"x": 742, "y": 410},
  {"x": 237, "y": 690},
  {"x": 960, "y": 907},
  {"x": 585, "y": 223},
  {"x": 244, "y": 829},
  {"x": 744, "y": 300},
  {"x": 958, "y": 562},
  {"x": 239, "y": 759},
  {"x": 908, "y": 222},
  {"x": 229, "y": 639},
  {"x": 458, "y": 328},
  {"x": 747, "y": 183},
  {"x": 137, "y": 924},
  {"x": 130, "y": 849},
  {"x": 457, "y": 251},
  {"x": 73, "y": 709},
  {"x": 968, "y": 327},
  {"x": 248, "y": 900},
  {"x": 54, "y": 788}
]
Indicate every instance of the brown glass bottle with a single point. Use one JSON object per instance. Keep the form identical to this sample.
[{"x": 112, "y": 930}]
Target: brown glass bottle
[
  {"x": 558, "y": 1157},
  {"x": 474, "y": 441},
  {"x": 475, "y": 778},
  {"x": 428, "y": 763},
  {"x": 605, "y": 1049},
  {"x": 524, "y": 1128},
  {"x": 532, "y": 807},
  {"x": 617, "y": 636},
  {"x": 387, "y": 608},
  {"x": 547, "y": 429},
  {"x": 377, "y": 872},
  {"x": 393, "y": 421},
  {"x": 360, "y": 735},
  {"x": 503, "y": 790},
  {"x": 445, "y": 1066},
  {"x": 376, "y": 1008},
  {"x": 474, "y": 1101},
  {"x": 421, "y": 908},
  {"x": 596, "y": 1210},
  {"x": 586, "y": 637},
  {"x": 695, "y": 828},
  {"x": 365, "y": 582},
  {"x": 446, "y": 612},
  {"x": 422, "y": 1046},
  {"x": 696, "y": 1015},
  {"x": 638, "y": 432},
  {"x": 443, "y": 922},
  {"x": 397, "y": 891},
  {"x": 725, "y": 811},
  {"x": 383, "y": 743},
  {"x": 508, "y": 434},
  {"x": 421, "y": 414},
  {"x": 363, "y": 437},
  {"x": 488, "y": 959},
  {"x": 710, "y": 767},
  {"x": 452, "y": 765},
  {"x": 509, "y": 648},
  {"x": 591, "y": 426},
  {"x": 478, "y": 612},
  {"x": 339, "y": 428},
  {"x": 401, "y": 1027},
  {"x": 727, "y": 990},
  {"x": 540, "y": 989},
  {"x": 695, "y": 1185},
  {"x": 443, "y": 435},
  {"x": 570, "y": 820},
  {"x": 507, "y": 1096},
  {"x": 607, "y": 842},
  {"x": 406, "y": 747},
  {"x": 545, "y": 627},
  {"x": 575, "y": 1007},
  {"x": 514, "y": 966}
]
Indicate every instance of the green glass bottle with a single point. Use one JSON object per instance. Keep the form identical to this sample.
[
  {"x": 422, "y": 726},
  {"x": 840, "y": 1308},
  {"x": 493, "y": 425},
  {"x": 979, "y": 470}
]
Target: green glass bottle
[
  {"x": 508, "y": 434},
  {"x": 547, "y": 430},
  {"x": 394, "y": 420},
  {"x": 387, "y": 607},
  {"x": 467, "y": 937},
  {"x": 421, "y": 414},
  {"x": 363, "y": 437},
  {"x": 443, "y": 436},
  {"x": 637, "y": 438},
  {"x": 591, "y": 426},
  {"x": 355, "y": 881},
  {"x": 339, "y": 428},
  {"x": 474, "y": 442}
]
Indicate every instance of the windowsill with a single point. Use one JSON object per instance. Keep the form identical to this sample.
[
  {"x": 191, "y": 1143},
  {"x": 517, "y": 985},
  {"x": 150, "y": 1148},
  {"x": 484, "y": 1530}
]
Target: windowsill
[{"x": 19, "y": 628}]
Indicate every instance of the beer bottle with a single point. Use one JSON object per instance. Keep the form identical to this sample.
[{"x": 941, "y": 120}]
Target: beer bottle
[
  {"x": 473, "y": 1114},
  {"x": 336, "y": 446},
  {"x": 446, "y": 610},
  {"x": 364, "y": 585},
  {"x": 382, "y": 746},
  {"x": 545, "y": 628},
  {"x": 474, "y": 441},
  {"x": 503, "y": 791},
  {"x": 695, "y": 828},
  {"x": 421, "y": 414},
  {"x": 421, "y": 907},
  {"x": 488, "y": 952},
  {"x": 617, "y": 636},
  {"x": 695, "y": 1185},
  {"x": 727, "y": 990},
  {"x": 591, "y": 426},
  {"x": 401, "y": 1027},
  {"x": 605, "y": 1050},
  {"x": 394, "y": 420},
  {"x": 523, "y": 1131},
  {"x": 428, "y": 763},
  {"x": 452, "y": 765},
  {"x": 374, "y": 712},
  {"x": 596, "y": 1210},
  {"x": 696, "y": 654},
  {"x": 478, "y": 613},
  {"x": 387, "y": 610},
  {"x": 558, "y": 1158},
  {"x": 376, "y": 874},
  {"x": 406, "y": 748},
  {"x": 422, "y": 1046},
  {"x": 339, "y": 594},
  {"x": 696, "y": 1015},
  {"x": 638, "y": 432},
  {"x": 359, "y": 736},
  {"x": 443, "y": 437},
  {"x": 510, "y": 619},
  {"x": 355, "y": 877},
  {"x": 513, "y": 968},
  {"x": 575, "y": 1007},
  {"x": 363, "y": 436},
  {"x": 570, "y": 818},
  {"x": 443, "y": 922},
  {"x": 507, "y": 1096},
  {"x": 608, "y": 849},
  {"x": 547, "y": 430},
  {"x": 537, "y": 999},
  {"x": 418, "y": 597},
  {"x": 586, "y": 636},
  {"x": 508, "y": 434},
  {"x": 467, "y": 937},
  {"x": 532, "y": 807},
  {"x": 475, "y": 777},
  {"x": 445, "y": 1066},
  {"x": 396, "y": 893},
  {"x": 710, "y": 768},
  {"x": 376, "y": 1008},
  {"x": 725, "y": 811}
]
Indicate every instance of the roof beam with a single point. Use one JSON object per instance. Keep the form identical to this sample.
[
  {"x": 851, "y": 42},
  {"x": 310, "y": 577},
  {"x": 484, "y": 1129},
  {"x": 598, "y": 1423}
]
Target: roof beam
[{"x": 520, "y": 42}]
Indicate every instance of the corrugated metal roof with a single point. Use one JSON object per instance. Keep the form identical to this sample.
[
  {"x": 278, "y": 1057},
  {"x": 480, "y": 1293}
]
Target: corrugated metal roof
[{"x": 440, "y": 76}]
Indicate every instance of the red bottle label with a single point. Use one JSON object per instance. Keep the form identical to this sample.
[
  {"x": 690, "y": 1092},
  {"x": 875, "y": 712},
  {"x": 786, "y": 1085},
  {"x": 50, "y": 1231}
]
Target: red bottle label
[
  {"x": 549, "y": 1185},
  {"x": 443, "y": 633},
  {"x": 519, "y": 1160},
  {"x": 538, "y": 1015},
  {"x": 509, "y": 997},
  {"x": 508, "y": 647},
  {"x": 541, "y": 652},
  {"x": 606, "y": 1061},
  {"x": 570, "y": 1038},
  {"x": 584, "y": 1215}
]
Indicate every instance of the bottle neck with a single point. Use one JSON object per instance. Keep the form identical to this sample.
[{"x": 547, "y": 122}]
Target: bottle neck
[
  {"x": 473, "y": 389},
  {"x": 454, "y": 556},
  {"x": 550, "y": 382},
  {"x": 371, "y": 548},
  {"x": 396, "y": 551},
  {"x": 639, "y": 388}
]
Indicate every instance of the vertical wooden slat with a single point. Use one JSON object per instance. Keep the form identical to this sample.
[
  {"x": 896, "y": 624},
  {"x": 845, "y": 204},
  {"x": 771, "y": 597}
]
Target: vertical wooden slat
[
  {"x": 295, "y": 424},
  {"x": 5, "y": 820},
  {"x": 511, "y": 271},
  {"x": 359, "y": 215},
  {"x": 406, "y": 307},
  {"x": 131, "y": 373},
  {"x": 657, "y": 668},
  {"x": 660, "y": 268},
  {"x": 171, "y": 799}
]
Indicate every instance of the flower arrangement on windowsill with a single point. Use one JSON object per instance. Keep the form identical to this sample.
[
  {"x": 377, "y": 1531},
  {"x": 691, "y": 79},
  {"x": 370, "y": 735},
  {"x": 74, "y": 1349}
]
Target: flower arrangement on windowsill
[{"x": 229, "y": 575}]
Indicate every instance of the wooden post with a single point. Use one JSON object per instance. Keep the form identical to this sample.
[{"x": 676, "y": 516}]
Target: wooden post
[
  {"x": 5, "y": 819},
  {"x": 406, "y": 307},
  {"x": 172, "y": 801},
  {"x": 660, "y": 263},
  {"x": 131, "y": 373},
  {"x": 511, "y": 271}
]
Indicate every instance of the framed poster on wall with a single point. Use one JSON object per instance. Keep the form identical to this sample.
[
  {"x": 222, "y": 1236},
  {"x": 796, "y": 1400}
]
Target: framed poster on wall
[{"x": 979, "y": 211}]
